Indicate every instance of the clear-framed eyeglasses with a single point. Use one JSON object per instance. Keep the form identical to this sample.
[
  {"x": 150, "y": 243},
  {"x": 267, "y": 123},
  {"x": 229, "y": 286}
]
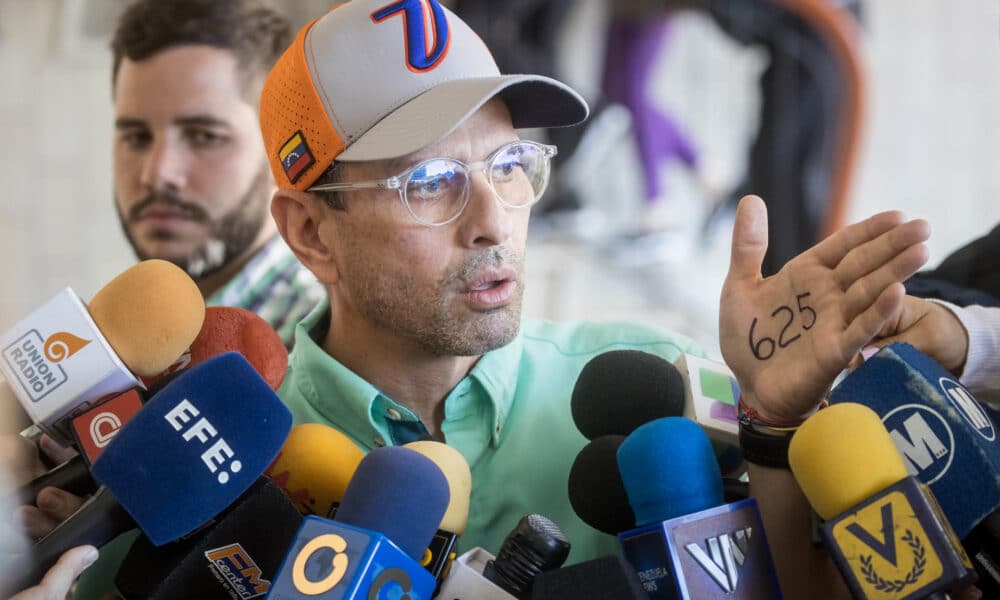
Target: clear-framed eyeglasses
[{"x": 436, "y": 191}]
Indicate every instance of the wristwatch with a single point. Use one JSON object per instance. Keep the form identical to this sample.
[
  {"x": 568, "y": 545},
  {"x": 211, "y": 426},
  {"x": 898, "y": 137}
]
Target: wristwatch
[{"x": 767, "y": 449}]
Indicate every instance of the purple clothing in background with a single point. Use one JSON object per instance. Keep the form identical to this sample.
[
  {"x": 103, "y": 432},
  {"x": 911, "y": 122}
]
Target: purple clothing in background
[{"x": 633, "y": 48}]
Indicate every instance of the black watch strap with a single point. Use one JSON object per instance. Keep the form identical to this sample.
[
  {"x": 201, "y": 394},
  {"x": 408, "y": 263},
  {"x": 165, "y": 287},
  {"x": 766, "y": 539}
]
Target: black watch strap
[{"x": 764, "y": 449}]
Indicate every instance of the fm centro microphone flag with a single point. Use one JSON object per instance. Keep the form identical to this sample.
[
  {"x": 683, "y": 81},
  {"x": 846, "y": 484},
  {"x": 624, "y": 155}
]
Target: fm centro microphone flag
[{"x": 221, "y": 425}]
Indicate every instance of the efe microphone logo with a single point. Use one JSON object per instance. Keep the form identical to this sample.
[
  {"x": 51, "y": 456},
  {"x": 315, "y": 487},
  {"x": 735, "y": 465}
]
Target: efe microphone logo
[
  {"x": 34, "y": 361},
  {"x": 233, "y": 566},
  {"x": 887, "y": 547},
  {"x": 726, "y": 553}
]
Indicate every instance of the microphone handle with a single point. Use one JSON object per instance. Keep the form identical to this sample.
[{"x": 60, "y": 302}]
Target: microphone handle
[
  {"x": 97, "y": 522},
  {"x": 72, "y": 476}
]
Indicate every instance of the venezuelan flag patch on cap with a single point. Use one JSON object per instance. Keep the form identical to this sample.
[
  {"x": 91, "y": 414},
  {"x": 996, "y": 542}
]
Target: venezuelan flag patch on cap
[{"x": 295, "y": 156}]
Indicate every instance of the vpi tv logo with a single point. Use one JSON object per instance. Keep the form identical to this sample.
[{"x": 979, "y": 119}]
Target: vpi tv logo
[
  {"x": 726, "y": 553},
  {"x": 967, "y": 406},
  {"x": 33, "y": 361},
  {"x": 924, "y": 439}
]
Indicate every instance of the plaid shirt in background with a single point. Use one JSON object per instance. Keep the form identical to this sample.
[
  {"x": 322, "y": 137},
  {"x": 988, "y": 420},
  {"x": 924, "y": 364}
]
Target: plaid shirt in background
[{"x": 275, "y": 286}]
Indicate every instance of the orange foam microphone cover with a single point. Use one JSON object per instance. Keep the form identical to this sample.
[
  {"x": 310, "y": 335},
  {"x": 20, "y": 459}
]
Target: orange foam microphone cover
[
  {"x": 314, "y": 467},
  {"x": 149, "y": 314},
  {"x": 232, "y": 329},
  {"x": 456, "y": 471}
]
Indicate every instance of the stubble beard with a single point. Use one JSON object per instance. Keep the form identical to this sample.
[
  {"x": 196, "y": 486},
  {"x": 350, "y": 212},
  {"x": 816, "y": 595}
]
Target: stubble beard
[
  {"x": 401, "y": 304},
  {"x": 229, "y": 236}
]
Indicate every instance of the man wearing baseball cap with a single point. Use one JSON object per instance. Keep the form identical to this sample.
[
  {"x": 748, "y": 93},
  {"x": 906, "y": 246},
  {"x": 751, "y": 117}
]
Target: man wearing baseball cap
[{"x": 404, "y": 187}]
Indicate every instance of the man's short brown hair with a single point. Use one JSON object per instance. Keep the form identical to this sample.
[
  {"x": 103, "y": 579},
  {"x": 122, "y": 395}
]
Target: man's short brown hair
[{"x": 254, "y": 32}]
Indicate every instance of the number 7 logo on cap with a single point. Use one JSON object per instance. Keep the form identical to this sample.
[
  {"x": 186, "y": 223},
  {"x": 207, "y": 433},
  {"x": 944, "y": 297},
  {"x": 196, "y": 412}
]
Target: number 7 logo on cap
[{"x": 425, "y": 27}]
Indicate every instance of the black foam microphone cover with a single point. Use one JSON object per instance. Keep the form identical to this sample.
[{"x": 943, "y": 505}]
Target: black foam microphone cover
[
  {"x": 596, "y": 492},
  {"x": 620, "y": 390},
  {"x": 598, "y": 579},
  {"x": 236, "y": 556}
]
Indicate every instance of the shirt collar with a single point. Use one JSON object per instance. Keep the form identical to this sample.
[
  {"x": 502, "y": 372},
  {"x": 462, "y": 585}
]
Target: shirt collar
[{"x": 357, "y": 407}]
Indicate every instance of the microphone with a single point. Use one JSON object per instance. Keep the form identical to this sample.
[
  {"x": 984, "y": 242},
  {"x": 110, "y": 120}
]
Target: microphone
[
  {"x": 620, "y": 390},
  {"x": 596, "y": 492},
  {"x": 536, "y": 545},
  {"x": 597, "y": 579},
  {"x": 884, "y": 530},
  {"x": 152, "y": 305},
  {"x": 63, "y": 358},
  {"x": 314, "y": 467},
  {"x": 440, "y": 552},
  {"x": 711, "y": 397},
  {"x": 687, "y": 543},
  {"x": 946, "y": 438},
  {"x": 236, "y": 556},
  {"x": 233, "y": 329},
  {"x": 224, "y": 329},
  {"x": 188, "y": 454},
  {"x": 389, "y": 513}
]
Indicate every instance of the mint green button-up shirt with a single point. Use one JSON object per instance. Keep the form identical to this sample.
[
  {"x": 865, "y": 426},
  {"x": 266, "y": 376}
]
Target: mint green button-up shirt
[{"x": 509, "y": 417}]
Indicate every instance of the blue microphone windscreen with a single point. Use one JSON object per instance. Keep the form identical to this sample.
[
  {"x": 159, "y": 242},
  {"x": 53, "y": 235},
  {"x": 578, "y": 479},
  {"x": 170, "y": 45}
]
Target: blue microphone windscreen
[
  {"x": 399, "y": 493},
  {"x": 194, "y": 447},
  {"x": 668, "y": 469},
  {"x": 945, "y": 436}
]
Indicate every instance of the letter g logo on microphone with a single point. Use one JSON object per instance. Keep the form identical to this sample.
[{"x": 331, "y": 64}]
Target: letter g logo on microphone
[
  {"x": 338, "y": 564},
  {"x": 389, "y": 576}
]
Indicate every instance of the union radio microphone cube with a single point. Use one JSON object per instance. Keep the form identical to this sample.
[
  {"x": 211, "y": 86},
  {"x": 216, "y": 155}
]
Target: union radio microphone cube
[
  {"x": 59, "y": 364},
  {"x": 334, "y": 560}
]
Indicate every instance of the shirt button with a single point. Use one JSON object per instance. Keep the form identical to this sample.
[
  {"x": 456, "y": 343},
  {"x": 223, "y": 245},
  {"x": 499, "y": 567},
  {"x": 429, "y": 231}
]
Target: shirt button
[
  {"x": 393, "y": 414},
  {"x": 379, "y": 441}
]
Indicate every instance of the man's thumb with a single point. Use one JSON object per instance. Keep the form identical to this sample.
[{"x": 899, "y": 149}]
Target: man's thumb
[{"x": 749, "y": 239}]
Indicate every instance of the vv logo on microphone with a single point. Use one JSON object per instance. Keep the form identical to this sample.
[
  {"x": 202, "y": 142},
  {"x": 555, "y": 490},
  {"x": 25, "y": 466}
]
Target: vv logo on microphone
[
  {"x": 34, "y": 361},
  {"x": 725, "y": 554},
  {"x": 887, "y": 547}
]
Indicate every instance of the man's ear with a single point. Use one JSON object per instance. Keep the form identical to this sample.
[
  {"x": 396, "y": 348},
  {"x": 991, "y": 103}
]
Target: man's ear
[{"x": 298, "y": 216}]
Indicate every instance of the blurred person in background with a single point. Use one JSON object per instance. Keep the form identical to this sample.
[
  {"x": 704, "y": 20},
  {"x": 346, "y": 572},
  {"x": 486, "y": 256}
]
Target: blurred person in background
[{"x": 191, "y": 181}]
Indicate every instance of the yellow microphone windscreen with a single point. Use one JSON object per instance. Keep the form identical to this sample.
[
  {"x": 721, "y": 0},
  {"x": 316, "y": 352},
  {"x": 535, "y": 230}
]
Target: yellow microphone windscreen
[
  {"x": 150, "y": 314},
  {"x": 314, "y": 467},
  {"x": 456, "y": 471},
  {"x": 842, "y": 455}
]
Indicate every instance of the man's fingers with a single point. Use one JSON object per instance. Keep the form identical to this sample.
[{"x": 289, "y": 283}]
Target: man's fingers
[
  {"x": 871, "y": 255},
  {"x": 58, "y": 454},
  {"x": 20, "y": 457},
  {"x": 749, "y": 239},
  {"x": 863, "y": 292},
  {"x": 58, "y": 504},
  {"x": 56, "y": 583},
  {"x": 33, "y": 522},
  {"x": 866, "y": 326},
  {"x": 833, "y": 249}
]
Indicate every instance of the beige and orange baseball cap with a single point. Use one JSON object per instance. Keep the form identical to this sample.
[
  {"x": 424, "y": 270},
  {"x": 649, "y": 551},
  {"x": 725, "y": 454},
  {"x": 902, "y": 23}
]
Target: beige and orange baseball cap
[{"x": 378, "y": 79}]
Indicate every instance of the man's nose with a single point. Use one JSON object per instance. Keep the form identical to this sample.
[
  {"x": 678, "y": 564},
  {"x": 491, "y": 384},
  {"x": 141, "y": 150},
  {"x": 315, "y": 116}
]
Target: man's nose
[
  {"x": 165, "y": 166},
  {"x": 486, "y": 221}
]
